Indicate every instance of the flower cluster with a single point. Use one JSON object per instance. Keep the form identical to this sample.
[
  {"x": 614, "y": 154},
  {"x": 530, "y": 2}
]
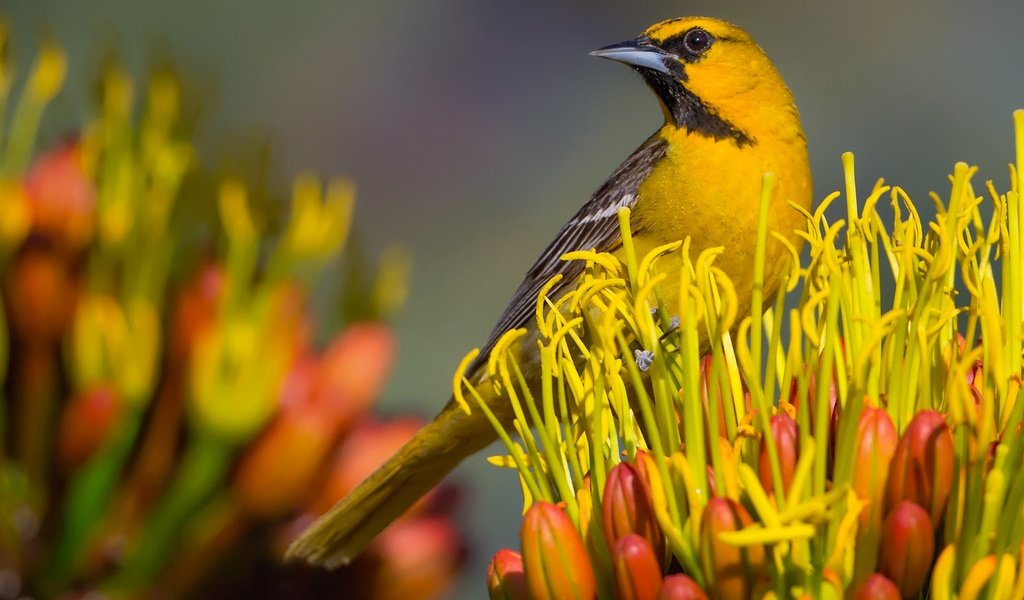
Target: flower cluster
[
  {"x": 167, "y": 421},
  {"x": 856, "y": 436}
]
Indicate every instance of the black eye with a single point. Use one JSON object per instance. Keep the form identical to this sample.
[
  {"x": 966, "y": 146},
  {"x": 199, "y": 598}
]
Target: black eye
[{"x": 697, "y": 41}]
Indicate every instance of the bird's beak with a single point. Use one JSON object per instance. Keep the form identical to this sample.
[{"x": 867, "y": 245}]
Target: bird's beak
[{"x": 640, "y": 52}]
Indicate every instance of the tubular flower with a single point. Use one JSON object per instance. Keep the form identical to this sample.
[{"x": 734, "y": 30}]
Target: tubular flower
[
  {"x": 908, "y": 548},
  {"x": 554, "y": 558},
  {"x": 876, "y": 444},
  {"x": 922, "y": 467},
  {"x": 637, "y": 572},
  {"x": 159, "y": 439},
  {"x": 62, "y": 198},
  {"x": 787, "y": 448},
  {"x": 87, "y": 420},
  {"x": 877, "y": 587},
  {"x": 680, "y": 587},
  {"x": 418, "y": 559},
  {"x": 816, "y": 451},
  {"x": 627, "y": 508},
  {"x": 505, "y": 577},
  {"x": 734, "y": 570}
]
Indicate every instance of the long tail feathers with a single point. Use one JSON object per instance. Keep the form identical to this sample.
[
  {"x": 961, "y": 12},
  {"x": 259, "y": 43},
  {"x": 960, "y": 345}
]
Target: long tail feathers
[{"x": 338, "y": 536}]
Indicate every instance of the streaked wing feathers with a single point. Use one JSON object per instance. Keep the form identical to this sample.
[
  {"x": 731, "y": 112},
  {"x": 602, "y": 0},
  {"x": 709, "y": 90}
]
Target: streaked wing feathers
[{"x": 594, "y": 226}]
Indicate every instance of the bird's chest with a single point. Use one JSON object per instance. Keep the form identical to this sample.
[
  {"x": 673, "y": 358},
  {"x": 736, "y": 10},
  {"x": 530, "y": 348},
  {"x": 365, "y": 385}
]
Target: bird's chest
[{"x": 709, "y": 191}]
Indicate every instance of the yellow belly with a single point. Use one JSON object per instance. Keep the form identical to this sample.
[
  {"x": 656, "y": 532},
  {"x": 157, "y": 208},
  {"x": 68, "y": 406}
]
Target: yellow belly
[{"x": 710, "y": 191}]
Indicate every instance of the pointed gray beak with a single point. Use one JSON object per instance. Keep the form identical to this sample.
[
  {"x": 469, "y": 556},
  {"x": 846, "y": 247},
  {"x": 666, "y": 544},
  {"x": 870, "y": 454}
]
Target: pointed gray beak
[{"x": 640, "y": 52}]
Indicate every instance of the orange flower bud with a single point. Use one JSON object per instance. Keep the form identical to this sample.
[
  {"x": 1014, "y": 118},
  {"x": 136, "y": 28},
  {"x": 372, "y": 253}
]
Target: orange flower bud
[
  {"x": 875, "y": 441},
  {"x": 680, "y": 587},
  {"x": 730, "y": 571},
  {"x": 418, "y": 559},
  {"x": 505, "y": 577},
  {"x": 278, "y": 469},
  {"x": 907, "y": 547},
  {"x": 363, "y": 450},
  {"x": 554, "y": 558},
  {"x": 714, "y": 405},
  {"x": 922, "y": 468},
  {"x": 61, "y": 198},
  {"x": 41, "y": 296},
  {"x": 877, "y": 587},
  {"x": 637, "y": 572},
  {"x": 354, "y": 369},
  {"x": 627, "y": 508},
  {"x": 787, "y": 447},
  {"x": 87, "y": 419},
  {"x": 195, "y": 312}
]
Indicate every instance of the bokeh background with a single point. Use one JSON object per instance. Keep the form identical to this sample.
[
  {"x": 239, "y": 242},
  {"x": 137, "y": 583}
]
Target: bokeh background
[{"x": 474, "y": 129}]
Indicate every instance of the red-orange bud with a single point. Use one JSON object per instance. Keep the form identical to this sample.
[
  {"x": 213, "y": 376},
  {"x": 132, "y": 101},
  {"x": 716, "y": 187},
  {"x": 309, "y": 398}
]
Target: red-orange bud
[
  {"x": 730, "y": 571},
  {"x": 907, "y": 547},
  {"x": 680, "y": 587},
  {"x": 505, "y": 577},
  {"x": 627, "y": 508},
  {"x": 877, "y": 587},
  {"x": 362, "y": 451},
  {"x": 876, "y": 441},
  {"x": 354, "y": 369},
  {"x": 195, "y": 312},
  {"x": 637, "y": 572},
  {"x": 61, "y": 197},
  {"x": 41, "y": 296},
  {"x": 278, "y": 469},
  {"x": 922, "y": 468},
  {"x": 419, "y": 558},
  {"x": 555, "y": 561},
  {"x": 787, "y": 447},
  {"x": 87, "y": 419}
]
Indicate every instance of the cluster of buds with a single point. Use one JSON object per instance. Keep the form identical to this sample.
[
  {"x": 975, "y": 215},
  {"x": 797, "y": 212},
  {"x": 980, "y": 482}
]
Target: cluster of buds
[
  {"x": 906, "y": 479},
  {"x": 847, "y": 452},
  {"x": 619, "y": 532},
  {"x": 167, "y": 422}
]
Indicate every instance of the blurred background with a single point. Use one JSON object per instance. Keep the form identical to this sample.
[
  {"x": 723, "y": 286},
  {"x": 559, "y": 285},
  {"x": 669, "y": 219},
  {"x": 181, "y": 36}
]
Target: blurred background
[{"x": 473, "y": 129}]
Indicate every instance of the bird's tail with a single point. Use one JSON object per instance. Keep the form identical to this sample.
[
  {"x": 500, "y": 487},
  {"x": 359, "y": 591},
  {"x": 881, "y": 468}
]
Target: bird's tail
[{"x": 349, "y": 526}]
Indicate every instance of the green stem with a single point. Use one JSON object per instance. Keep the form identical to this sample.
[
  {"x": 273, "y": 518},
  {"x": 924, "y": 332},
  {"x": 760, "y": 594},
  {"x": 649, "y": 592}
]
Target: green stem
[
  {"x": 87, "y": 497},
  {"x": 202, "y": 470}
]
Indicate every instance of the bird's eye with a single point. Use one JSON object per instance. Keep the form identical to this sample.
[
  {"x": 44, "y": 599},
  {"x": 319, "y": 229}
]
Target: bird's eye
[{"x": 697, "y": 41}]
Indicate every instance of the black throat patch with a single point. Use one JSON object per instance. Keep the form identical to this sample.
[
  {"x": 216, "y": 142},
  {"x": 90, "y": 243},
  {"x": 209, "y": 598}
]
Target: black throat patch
[{"x": 689, "y": 112}]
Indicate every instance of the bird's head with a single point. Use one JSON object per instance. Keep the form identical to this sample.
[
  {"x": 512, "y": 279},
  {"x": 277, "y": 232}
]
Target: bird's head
[{"x": 711, "y": 77}]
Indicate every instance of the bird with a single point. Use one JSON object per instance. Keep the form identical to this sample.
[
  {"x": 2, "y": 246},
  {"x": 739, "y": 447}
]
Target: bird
[{"x": 729, "y": 118}]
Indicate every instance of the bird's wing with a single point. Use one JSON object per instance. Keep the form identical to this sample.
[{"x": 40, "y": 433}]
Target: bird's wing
[{"x": 595, "y": 226}]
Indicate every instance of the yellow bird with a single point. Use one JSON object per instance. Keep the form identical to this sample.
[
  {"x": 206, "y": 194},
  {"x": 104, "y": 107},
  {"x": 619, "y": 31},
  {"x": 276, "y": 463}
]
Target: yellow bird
[{"x": 729, "y": 118}]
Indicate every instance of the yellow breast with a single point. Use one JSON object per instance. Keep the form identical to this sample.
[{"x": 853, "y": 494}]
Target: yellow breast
[{"x": 709, "y": 191}]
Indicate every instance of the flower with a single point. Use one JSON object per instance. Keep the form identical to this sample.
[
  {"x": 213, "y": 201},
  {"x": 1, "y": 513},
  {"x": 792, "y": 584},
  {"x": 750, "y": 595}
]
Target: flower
[
  {"x": 680, "y": 587},
  {"x": 787, "y": 449},
  {"x": 637, "y": 572},
  {"x": 908, "y": 548},
  {"x": 61, "y": 197},
  {"x": 554, "y": 559},
  {"x": 155, "y": 456},
  {"x": 922, "y": 468},
  {"x": 418, "y": 558},
  {"x": 876, "y": 443},
  {"x": 733, "y": 570},
  {"x": 877, "y": 587},
  {"x": 505, "y": 577},
  {"x": 85, "y": 423},
  {"x": 627, "y": 509},
  {"x": 760, "y": 480}
]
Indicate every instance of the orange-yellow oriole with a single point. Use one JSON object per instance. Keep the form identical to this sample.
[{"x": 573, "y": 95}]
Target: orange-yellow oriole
[{"x": 729, "y": 118}]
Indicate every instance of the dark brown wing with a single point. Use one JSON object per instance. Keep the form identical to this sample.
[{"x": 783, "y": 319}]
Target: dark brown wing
[{"x": 594, "y": 226}]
